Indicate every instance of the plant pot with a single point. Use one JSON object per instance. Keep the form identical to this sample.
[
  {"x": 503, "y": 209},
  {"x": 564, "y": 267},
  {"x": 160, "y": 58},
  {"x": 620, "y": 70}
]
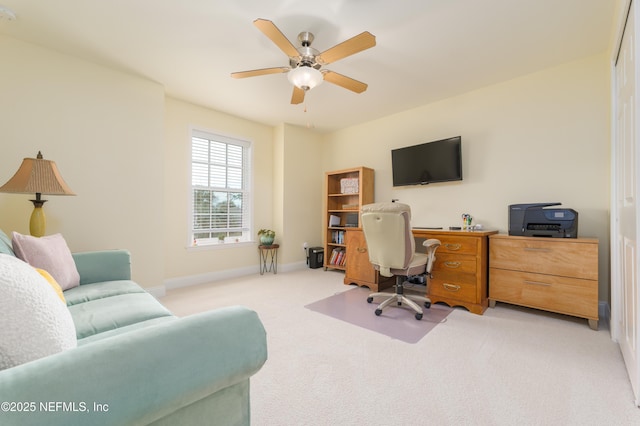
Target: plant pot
[{"x": 266, "y": 240}]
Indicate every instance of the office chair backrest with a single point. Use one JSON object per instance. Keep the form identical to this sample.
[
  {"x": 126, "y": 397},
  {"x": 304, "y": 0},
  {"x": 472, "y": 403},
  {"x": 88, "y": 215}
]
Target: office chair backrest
[{"x": 387, "y": 230}]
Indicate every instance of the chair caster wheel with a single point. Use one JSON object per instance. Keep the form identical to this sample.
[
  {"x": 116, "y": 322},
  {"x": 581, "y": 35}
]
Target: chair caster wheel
[
  {"x": 378, "y": 312},
  {"x": 418, "y": 317},
  {"x": 427, "y": 305},
  {"x": 369, "y": 299}
]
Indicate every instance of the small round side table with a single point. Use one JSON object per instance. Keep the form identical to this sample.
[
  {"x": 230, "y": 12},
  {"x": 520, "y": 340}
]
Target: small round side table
[{"x": 268, "y": 258}]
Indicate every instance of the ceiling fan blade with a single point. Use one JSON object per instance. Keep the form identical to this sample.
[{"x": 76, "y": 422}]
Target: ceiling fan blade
[
  {"x": 298, "y": 95},
  {"x": 262, "y": 71},
  {"x": 344, "y": 81},
  {"x": 349, "y": 47},
  {"x": 269, "y": 29}
]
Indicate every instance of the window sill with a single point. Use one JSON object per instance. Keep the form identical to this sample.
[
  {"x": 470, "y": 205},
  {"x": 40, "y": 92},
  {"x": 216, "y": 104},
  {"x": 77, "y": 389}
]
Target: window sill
[{"x": 225, "y": 246}]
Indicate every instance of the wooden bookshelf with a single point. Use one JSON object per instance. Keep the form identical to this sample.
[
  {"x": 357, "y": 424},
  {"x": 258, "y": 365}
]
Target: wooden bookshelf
[{"x": 346, "y": 191}]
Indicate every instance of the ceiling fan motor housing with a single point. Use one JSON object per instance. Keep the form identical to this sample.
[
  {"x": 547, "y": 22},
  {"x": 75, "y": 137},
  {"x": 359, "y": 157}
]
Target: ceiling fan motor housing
[
  {"x": 307, "y": 55},
  {"x": 305, "y": 38}
]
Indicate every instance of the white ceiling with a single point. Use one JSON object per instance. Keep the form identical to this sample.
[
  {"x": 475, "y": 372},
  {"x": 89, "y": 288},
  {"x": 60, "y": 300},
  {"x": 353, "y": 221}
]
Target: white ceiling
[{"x": 426, "y": 49}]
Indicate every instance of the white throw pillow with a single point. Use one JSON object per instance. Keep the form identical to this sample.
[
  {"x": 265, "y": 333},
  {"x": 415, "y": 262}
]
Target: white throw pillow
[
  {"x": 34, "y": 322},
  {"x": 50, "y": 253}
]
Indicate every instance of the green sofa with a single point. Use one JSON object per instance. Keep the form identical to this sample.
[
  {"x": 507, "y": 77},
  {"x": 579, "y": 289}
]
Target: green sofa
[{"x": 135, "y": 362}]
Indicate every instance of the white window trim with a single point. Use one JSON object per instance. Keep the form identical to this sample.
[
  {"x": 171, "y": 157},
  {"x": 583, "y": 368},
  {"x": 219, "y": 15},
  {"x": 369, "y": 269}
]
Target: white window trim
[{"x": 212, "y": 134}]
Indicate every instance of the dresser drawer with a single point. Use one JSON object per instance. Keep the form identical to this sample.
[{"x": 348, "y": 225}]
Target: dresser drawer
[
  {"x": 458, "y": 287},
  {"x": 566, "y": 257},
  {"x": 565, "y": 295},
  {"x": 461, "y": 264},
  {"x": 454, "y": 244}
]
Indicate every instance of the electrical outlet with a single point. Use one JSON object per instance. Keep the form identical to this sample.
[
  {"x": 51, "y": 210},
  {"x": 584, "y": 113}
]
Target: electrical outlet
[{"x": 305, "y": 246}]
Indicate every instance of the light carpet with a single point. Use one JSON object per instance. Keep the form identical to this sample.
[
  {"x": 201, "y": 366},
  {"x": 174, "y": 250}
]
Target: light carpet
[
  {"x": 396, "y": 322},
  {"x": 510, "y": 366}
]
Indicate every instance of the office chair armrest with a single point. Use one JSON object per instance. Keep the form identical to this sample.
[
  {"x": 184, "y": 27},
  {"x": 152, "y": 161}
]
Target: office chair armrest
[{"x": 431, "y": 242}]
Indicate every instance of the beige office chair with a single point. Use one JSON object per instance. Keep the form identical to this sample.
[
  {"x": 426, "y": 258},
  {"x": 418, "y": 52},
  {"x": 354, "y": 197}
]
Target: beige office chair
[{"x": 391, "y": 247}]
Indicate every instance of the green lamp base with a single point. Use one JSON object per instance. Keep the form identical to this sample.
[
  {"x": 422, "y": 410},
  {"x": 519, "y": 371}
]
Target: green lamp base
[{"x": 38, "y": 221}]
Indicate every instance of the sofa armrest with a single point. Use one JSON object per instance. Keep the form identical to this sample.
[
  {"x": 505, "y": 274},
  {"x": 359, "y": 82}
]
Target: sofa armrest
[
  {"x": 139, "y": 376},
  {"x": 104, "y": 265}
]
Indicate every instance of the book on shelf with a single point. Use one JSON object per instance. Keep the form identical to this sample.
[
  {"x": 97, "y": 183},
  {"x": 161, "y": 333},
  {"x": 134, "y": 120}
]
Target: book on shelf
[
  {"x": 337, "y": 237},
  {"x": 334, "y": 220},
  {"x": 338, "y": 257}
]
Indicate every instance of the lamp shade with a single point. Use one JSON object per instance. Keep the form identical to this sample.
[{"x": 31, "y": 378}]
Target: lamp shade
[
  {"x": 38, "y": 176},
  {"x": 305, "y": 77}
]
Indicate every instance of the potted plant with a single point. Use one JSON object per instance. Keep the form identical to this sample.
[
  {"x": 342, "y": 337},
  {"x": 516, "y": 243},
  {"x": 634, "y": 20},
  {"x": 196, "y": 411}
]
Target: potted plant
[{"x": 266, "y": 236}]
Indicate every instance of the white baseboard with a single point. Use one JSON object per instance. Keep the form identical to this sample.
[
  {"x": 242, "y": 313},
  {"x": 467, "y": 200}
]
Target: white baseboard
[
  {"x": 157, "y": 291},
  {"x": 604, "y": 313},
  {"x": 604, "y": 310},
  {"x": 190, "y": 280},
  {"x": 293, "y": 267}
]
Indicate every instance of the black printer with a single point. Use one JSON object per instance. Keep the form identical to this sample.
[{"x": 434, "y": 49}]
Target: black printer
[{"x": 536, "y": 220}]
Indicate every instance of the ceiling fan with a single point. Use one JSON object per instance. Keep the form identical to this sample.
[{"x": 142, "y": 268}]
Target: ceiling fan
[{"x": 305, "y": 63}]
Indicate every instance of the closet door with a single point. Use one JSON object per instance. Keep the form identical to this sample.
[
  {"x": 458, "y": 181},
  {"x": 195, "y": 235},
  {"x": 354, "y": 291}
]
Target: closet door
[{"x": 625, "y": 297}]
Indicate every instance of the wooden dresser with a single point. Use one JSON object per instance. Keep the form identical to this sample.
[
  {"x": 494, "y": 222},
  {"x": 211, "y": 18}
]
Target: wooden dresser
[
  {"x": 359, "y": 269},
  {"x": 554, "y": 274},
  {"x": 460, "y": 273}
]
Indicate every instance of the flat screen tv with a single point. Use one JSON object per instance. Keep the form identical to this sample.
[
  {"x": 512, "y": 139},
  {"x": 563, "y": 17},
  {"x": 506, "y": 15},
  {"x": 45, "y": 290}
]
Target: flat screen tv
[{"x": 430, "y": 162}]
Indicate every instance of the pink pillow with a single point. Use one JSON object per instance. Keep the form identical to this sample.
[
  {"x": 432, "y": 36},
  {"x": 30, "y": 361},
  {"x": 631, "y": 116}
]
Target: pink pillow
[{"x": 50, "y": 253}]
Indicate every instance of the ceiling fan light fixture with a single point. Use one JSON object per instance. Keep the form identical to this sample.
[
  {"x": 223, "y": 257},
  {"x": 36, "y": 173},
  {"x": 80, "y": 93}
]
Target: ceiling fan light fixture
[{"x": 305, "y": 77}]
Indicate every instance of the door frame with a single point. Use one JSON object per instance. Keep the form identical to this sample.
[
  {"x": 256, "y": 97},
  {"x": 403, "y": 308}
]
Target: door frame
[{"x": 616, "y": 261}]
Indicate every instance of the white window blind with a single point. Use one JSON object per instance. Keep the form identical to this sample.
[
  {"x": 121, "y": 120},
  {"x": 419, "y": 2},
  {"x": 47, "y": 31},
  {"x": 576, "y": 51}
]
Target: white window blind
[{"x": 221, "y": 197}]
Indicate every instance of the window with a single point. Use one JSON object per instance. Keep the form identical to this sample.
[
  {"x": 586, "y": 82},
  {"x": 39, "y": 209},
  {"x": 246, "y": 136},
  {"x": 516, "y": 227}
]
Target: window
[{"x": 221, "y": 197}]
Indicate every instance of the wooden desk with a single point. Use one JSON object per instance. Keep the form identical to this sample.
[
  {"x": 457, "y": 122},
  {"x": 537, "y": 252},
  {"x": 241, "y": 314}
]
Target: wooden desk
[
  {"x": 359, "y": 270},
  {"x": 460, "y": 273}
]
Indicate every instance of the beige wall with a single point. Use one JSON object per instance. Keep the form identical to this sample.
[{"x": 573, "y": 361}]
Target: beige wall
[
  {"x": 542, "y": 137},
  {"x": 301, "y": 183},
  {"x": 287, "y": 185},
  {"x": 124, "y": 149},
  {"x": 180, "y": 118},
  {"x": 104, "y": 130}
]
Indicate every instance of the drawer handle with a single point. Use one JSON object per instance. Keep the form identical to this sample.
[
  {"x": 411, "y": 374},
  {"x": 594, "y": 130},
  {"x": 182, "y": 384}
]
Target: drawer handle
[
  {"x": 451, "y": 287},
  {"x": 537, "y": 283},
  {"x": 538, "y": 249},
  {"x": 452, "y": 265},
  {"x": 452, "y": 247},
  {"x": 362, "y": 249}
]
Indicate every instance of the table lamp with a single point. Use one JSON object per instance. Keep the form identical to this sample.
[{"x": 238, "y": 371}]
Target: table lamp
[{"x": 39, "y": 176}]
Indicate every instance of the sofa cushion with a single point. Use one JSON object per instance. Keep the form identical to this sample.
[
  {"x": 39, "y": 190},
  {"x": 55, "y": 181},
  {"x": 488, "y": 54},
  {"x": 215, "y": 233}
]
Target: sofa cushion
[
  {"x": 109, "y": 313},
  {"x": 50, "y": 253},
  {"x": 87, "y": 292},
  {"x": 53, "y": 283},
  {"x": 5, "y": 244},
  {"x": 125, "y": 329},
  {"x": 34, "y": 322}
]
